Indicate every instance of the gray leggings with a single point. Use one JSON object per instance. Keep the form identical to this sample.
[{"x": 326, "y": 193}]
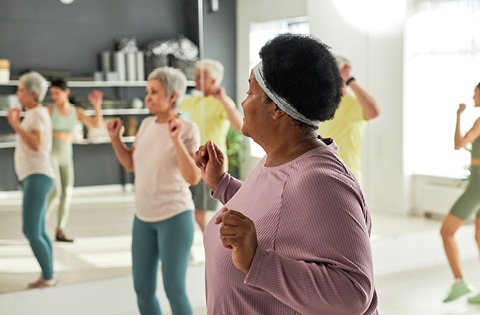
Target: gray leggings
[
  {"x": 469, "y": 201},
  {"x": 62, "y": 156}
]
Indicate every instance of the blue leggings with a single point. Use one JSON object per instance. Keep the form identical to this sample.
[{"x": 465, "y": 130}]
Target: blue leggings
[
  {"x": 170, "y": 242},
  {"x": 36, "y": 188}
]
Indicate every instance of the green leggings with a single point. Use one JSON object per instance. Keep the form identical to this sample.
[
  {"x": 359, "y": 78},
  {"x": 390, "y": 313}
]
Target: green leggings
[
  {"x": 62, "y": 156},
  {"x": 469, "y": 201},
  {"x": 169, "y": 242},
  {"x": 36, "y": 188}
]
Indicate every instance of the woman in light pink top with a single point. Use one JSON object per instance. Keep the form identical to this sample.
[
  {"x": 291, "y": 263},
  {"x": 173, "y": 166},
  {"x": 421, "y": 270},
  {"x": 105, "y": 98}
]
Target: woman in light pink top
[
  {"x": 162, "y": 158},
  {"x": 294, "y": 237},
  {"x": 33, "y": 166}
]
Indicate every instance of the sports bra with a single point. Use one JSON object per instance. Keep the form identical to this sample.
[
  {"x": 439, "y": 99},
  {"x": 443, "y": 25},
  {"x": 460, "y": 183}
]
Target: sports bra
[{"x": 64, "y": 123}]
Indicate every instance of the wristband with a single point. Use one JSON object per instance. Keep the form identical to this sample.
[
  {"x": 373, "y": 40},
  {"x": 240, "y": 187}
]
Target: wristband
[{"x": 350, "y": 80}]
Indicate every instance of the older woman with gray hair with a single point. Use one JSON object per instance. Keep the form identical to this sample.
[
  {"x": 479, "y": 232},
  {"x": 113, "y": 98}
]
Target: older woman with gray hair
[
  {"x": 215, "y": 113},
  {"x": 34, "y": 169},
  {"x": 162, "y": 158}
]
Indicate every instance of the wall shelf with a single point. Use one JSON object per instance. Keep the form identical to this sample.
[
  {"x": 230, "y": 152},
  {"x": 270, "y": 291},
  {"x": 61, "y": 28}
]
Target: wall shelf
[
  {"x": 105, "y": 112},
  {"x": 87, "y": 83}
]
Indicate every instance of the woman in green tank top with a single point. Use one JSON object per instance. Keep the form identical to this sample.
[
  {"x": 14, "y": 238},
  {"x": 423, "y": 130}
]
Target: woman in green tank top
[
  {"x": 467, "y": 204},
  {"x": 65, "y": 117}
]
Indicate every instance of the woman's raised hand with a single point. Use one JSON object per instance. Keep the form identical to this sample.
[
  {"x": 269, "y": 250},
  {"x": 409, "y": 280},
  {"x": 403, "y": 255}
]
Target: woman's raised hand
[
  {"x": 210, "y": 159},
  {"x": 96, "y": 98},
  {"x": 113, "y": 127}
]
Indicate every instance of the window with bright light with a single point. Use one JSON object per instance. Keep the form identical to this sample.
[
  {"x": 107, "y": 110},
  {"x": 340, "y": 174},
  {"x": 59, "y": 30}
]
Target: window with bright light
[
  {"x": 442, "y": 68},
  {"x": 260, "y": 33}
]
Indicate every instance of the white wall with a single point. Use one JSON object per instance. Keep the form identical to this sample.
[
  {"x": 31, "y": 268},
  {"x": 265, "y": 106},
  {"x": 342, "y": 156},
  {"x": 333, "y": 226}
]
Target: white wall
[
  {"x": 377, "y": 65},
  {"x": 248, "y": 12}
]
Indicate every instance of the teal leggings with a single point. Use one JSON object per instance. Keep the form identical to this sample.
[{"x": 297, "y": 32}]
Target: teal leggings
[
  {"x": 62, "y": 156},
  {"x": 469, "y": 201},
  {"x": 36, "y": 188},
  {"x": 170, "y": 242}
]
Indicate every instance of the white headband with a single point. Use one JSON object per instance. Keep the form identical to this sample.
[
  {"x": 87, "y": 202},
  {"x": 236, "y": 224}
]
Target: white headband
[{"x": 279, "y": 100}]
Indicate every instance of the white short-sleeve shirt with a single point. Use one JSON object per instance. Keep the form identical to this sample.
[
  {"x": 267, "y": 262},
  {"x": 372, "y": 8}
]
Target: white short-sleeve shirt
[
  {"x": 161, "y": 192},
  {"x": 28, "y": 161}
]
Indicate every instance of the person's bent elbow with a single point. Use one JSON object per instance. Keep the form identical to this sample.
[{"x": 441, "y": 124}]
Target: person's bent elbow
[
  {"x": 194, "y": 179},
  {"x": 36, "y": 147},
  {"x": 129, "y": 168},
  {"x": 458, "y": 145},
  {"x": 374, "y": 113}
]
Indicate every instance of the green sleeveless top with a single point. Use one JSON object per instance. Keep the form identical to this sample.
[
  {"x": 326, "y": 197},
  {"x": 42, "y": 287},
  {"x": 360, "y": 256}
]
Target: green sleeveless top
[
  {"x": 64, "y": 123},
  {"x": 476, "y": 149}
]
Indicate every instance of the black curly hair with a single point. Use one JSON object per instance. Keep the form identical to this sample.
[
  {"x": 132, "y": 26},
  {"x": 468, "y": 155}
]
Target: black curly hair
[{"x": 303, "y": 71}]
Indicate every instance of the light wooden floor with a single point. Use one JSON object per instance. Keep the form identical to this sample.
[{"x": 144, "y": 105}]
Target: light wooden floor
[{"x": 101, "y": 223}]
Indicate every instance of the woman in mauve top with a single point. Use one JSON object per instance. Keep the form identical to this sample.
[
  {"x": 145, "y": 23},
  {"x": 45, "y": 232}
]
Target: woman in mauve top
[{"x": 294, "y": 237}]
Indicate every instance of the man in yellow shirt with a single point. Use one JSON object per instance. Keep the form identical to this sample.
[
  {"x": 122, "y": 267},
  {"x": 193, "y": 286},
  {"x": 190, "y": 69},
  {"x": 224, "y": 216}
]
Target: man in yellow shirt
[
  {"x": 214, "y": 113},
  {"x": 347, "y": 127}
]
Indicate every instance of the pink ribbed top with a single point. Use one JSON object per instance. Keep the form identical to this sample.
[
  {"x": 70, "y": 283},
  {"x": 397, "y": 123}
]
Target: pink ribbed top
[{"x": 313, "y": 254}]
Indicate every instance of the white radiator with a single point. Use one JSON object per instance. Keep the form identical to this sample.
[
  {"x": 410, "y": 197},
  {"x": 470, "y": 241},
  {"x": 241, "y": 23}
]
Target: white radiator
[{"x": 434, "y": 196}]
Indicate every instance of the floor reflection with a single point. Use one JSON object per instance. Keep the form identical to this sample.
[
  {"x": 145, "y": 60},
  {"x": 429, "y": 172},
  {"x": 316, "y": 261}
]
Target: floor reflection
[{"x": 100, "y": 222}]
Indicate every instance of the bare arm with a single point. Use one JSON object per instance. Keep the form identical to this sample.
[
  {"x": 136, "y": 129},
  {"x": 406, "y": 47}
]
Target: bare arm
[
  {"x": 124, "y": 154},
  {"x": 470, "y": 136},
  {"x": 33, "y": 139},
  {"x": 369, "y": 105},
  {"x": 233, "y": 114},
  {"x": 190, "y": 172},
  {"x": 96, "y": 99}
]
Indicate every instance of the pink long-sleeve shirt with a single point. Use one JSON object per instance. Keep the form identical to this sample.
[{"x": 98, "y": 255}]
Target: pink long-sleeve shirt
[{"x": 313, "y": 254}]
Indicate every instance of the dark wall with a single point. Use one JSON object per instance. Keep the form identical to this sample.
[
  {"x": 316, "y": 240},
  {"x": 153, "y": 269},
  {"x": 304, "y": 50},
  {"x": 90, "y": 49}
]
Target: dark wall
[
  {"x": 220, "y": 40},
  {"x": 48, "y": 34}
]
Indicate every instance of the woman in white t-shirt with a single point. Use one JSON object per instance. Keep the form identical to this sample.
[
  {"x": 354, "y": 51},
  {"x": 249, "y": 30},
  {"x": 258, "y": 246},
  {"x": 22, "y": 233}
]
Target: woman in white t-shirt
[
  {"x": 34, "y": 169},
  {"x": 162, "y": 159}
]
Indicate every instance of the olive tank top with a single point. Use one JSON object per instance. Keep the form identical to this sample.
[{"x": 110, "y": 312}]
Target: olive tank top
[{"x": 476, "y": 149}]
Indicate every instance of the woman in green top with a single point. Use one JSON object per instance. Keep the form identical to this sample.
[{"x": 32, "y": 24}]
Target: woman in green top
[
  {"x": 464, "y": 207},
  {"x": 65, "y": 117}
]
